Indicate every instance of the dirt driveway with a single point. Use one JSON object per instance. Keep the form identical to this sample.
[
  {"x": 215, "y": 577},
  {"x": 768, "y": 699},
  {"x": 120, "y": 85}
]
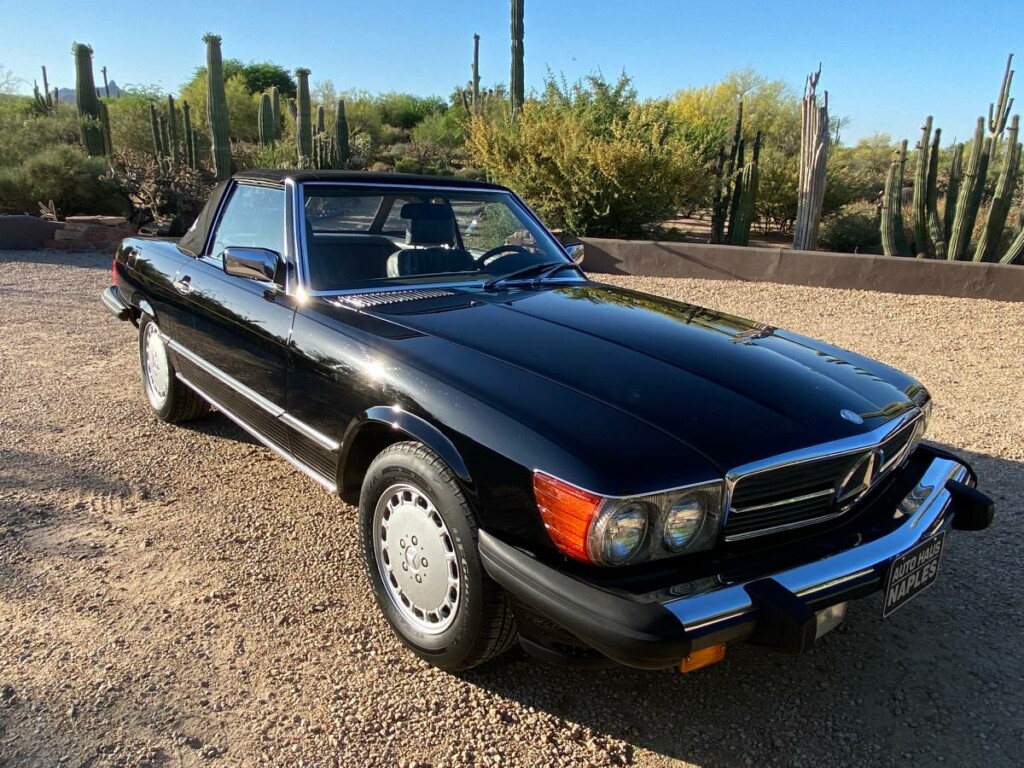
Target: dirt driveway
[{"x": 179, "y": 596}]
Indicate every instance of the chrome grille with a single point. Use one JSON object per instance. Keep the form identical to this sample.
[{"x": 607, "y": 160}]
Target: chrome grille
[
  {"x": 365, "y": 300},
  {"x": 818, "y": 487}
]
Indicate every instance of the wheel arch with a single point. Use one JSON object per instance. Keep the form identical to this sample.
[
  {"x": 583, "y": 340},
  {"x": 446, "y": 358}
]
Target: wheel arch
[{"x": 380, "y": 426}]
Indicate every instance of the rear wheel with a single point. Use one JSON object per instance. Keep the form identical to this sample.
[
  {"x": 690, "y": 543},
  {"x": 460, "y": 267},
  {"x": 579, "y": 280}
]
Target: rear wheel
[
  {"x": 169, "y": 398},
  {"x": 420, "y": 548}
]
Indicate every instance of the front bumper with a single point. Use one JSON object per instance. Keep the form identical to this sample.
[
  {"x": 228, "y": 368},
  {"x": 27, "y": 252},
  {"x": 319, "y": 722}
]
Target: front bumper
[{"x": 776, "y": 610}]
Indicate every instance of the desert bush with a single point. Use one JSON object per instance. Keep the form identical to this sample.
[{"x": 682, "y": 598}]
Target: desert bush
[
  {"x": 65, "y": 175},
  {"x": 590, "y": 157},
  {"x": 403, "y": 110},
  {"x": 25, "y": 131},
  {"x": 130, "y": 127},
  {"x": 440, "y": 128},
  {"x": 282, "y": 154},
  {"x": 242, "y": 106},
  {"x": 854, "y": 228},
  {"x": 171, "y": 197}
]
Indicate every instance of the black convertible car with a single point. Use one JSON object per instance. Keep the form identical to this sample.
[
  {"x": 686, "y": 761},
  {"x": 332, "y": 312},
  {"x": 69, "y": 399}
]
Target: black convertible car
[{"x": 598, "y": 473}]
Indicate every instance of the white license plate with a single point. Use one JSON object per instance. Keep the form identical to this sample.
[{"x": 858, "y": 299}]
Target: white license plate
[{"x": 912, "y": 573}]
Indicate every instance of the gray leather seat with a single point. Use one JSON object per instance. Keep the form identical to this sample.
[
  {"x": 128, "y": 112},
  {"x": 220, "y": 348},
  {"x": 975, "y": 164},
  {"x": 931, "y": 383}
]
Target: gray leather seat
[{"x": 430, "y": 228}]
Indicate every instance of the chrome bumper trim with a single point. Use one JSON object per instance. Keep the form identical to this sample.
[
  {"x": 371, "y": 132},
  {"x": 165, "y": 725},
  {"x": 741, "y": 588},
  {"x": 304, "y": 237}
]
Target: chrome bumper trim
[{"x": 728, "y": 613}]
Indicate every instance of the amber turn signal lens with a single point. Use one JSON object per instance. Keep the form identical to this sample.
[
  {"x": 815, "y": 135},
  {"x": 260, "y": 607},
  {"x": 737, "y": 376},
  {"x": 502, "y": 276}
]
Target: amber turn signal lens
[
  {"x": 705, "y": 657},
  {"x": 568, "y": 513}
]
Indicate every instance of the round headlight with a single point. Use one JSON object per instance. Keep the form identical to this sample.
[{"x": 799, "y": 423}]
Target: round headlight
[
  {"x": 619, "y": 534},
  {"x": 683, "y": 522}
]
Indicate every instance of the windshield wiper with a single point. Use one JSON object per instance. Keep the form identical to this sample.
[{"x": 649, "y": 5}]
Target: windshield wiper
[
  {"x": 544, "y": 269},
  {"x": 554, "y": 269}
]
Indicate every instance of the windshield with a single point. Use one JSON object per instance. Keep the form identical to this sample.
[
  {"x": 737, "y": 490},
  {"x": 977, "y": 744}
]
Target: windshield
[{"x": 368, "y": 236}]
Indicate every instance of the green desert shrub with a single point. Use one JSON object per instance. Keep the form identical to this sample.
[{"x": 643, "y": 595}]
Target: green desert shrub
[
  {"x": 25, "y": 131},
  {"x": 854, "y": 228},
  {"x": 65, "y": 175},
  {"x": 591, "y": 157}
]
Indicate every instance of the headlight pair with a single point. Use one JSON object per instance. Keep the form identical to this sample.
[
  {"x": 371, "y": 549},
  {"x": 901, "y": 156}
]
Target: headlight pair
[{"x": 612, "y": 531}]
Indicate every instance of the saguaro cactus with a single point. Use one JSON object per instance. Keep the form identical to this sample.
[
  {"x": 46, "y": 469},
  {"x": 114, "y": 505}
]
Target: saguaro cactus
[
  {"x": 88, "y": 103},
  {"x": 969, "y": 198},
  {"x": 266, "y": 120},
  {"x": 517, "y": 90},
  {"x": 341, "y": 134},
  {"x": 815, "y": 140},
  {"x": 303, "y": 121},
  {"x": 217, "y": 108},
  {"x": 108, "y": 144},
  {"x": 474, "y": 84},
  {"x": 894, "y": 240},
  {"x": 158, "y": 142},
  {"x": 746, "y": 199},
  {"x": 1001, "y": 199},
  {"x": 956, "y": 176},
  {"x": 320, "y": 119},
  {"x": 999, "y": 112}
]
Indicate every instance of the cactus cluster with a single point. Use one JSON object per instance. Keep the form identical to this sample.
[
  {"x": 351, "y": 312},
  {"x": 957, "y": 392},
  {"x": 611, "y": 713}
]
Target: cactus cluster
[
  {"x": 88, "y": 104},
  {"x": 949, "y": 236},
  {"x": 734, "y": 204},
  {"x": 217, "y": 108}
]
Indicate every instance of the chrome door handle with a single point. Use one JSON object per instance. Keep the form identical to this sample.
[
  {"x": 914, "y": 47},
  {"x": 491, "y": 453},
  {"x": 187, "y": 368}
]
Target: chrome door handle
[{"x": 184, "y": 285}]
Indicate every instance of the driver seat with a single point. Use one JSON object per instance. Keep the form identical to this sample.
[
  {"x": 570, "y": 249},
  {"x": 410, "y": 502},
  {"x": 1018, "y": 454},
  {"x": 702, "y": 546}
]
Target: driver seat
[{"x": 431, "y": 233}]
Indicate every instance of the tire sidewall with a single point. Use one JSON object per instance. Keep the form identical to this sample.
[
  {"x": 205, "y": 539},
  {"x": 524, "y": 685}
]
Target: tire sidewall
[{"x": 449, "y": 648}]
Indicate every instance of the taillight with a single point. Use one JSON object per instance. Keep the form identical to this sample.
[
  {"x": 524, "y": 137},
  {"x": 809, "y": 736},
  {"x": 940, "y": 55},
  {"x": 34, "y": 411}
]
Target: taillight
[
  {"x": 568, "y": 513},
  {"x": 113, "y": 272}
]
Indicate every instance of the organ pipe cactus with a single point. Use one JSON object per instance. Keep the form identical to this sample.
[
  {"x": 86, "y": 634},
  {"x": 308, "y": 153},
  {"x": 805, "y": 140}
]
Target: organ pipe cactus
[
  {"x": 1015, "y": 253},
  {"x": 341, "y": 134},
  {"x": 999, "y": 112},
  {"x": 921, "y": 245},
  {"x": 267, "y": 131},
  {"x": 969, "y": 198},
  {"x": 189, "y": 137},
  {"x": 517, "y": 90},
  {"x": 956, "y": 175},
  {"x": 936, "y": 233},
  {"x": 320, "y": 119},
  {"x": 815, "y": 141},
  {"x": 303, "y": 121},
  {"x": 108, "y": 144},
  {"x": 721, "y": 205},
  {"x": 217, "y": 108},
  {"x": 1002, "y": 199},
  {"x": 746, "y": 195},
  {"x": 154, "y": 124},
  {"x": 172, "y": 134},
  {"x": 894, "y": 240},
  {"x": 87, "y": 101},
  {"x": 275, "y": 105}
]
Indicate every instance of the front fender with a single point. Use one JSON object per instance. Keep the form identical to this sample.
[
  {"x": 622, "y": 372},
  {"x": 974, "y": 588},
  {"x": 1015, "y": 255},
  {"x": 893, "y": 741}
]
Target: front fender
[{"x": 409, "y": 424}]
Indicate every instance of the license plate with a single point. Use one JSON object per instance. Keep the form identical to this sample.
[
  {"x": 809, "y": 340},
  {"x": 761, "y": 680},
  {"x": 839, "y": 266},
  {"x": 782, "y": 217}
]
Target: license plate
[{"x": 912, "y": 573}]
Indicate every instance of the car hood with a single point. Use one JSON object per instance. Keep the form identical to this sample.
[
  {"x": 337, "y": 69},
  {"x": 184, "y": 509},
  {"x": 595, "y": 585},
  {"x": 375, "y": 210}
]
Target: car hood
[{"x": 731, "y": 390}]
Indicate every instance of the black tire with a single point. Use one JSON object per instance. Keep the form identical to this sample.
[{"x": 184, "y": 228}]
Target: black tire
[
  {"x": 177, "y": 403},
  {"x": 481, "y": 625}
]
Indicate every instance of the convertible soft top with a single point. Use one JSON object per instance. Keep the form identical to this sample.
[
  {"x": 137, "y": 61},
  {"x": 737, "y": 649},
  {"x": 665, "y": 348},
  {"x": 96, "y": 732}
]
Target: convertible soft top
[{"x": 195, "y": 239}]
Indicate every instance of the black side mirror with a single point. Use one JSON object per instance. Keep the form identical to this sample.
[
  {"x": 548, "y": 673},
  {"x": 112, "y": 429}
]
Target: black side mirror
[{"x": 253, "y": 263}]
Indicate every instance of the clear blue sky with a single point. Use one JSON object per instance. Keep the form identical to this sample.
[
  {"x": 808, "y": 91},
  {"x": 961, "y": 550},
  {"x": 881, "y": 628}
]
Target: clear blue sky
[{"x": 885, "y": 64}]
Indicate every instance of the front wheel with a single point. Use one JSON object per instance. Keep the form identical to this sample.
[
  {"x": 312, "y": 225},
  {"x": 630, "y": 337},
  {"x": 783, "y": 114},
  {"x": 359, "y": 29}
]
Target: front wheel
[{"x": 420, "y": 549}]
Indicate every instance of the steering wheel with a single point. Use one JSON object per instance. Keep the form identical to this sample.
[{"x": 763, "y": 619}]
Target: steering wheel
[{"x": 507, "y": 249}]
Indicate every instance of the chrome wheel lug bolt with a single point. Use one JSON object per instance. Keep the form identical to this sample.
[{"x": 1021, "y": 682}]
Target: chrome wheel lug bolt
[
  {"x": 401, "y": 543},
  {"x": 405, "y": 566},
  {"x": 423, "y": 561},
  {"x": 414, "y": 542},
  {"x": 419, "y": 579}
]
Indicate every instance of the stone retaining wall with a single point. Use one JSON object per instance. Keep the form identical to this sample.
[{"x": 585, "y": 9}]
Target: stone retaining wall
[{"x": 91, "y": 233}]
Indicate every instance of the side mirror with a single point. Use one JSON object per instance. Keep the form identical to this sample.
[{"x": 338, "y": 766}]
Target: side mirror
[
  {"x": 575, "y": 251},
  {"x": 253, "y": 263}
]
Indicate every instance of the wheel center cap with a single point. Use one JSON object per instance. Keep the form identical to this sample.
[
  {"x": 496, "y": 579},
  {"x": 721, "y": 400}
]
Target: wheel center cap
[{"x": 414, "y": 559}]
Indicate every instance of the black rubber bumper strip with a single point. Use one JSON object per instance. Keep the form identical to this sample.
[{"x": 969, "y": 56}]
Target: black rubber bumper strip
[
  {"x": 115, "y": 304},
  {"x": 638, "y": 634}
]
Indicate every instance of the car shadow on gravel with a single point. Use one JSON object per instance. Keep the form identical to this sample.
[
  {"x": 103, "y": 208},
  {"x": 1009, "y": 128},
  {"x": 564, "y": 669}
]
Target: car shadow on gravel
[{"x": 938, "y": 680}]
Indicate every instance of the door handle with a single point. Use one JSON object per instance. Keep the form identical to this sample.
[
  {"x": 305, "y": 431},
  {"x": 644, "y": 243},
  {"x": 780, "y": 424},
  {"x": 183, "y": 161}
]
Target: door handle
[{"x": 184, "y": 285}]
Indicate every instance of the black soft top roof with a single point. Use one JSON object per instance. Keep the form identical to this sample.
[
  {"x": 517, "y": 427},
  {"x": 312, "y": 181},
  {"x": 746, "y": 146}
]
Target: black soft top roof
[{"x": 195, "y": 239}]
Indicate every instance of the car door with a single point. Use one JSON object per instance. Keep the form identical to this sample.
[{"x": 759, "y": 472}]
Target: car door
[{"x": 238, "y": 345}]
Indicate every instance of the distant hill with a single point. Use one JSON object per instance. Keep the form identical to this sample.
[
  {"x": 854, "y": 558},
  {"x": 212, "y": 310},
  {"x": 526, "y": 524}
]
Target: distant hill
[{"x": 67, "y": 95}]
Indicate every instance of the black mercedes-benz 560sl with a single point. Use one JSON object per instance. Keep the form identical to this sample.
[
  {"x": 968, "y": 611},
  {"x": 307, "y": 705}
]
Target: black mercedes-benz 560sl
[{"x": 594, "y": 472}]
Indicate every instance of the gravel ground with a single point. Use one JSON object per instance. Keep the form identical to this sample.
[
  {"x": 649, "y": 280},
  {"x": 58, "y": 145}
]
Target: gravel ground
[{"x": 179, "y": 596}]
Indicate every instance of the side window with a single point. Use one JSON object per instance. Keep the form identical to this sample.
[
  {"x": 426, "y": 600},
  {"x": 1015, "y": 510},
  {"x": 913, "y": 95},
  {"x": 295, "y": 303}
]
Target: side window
[{"x": 253, "y": 217}]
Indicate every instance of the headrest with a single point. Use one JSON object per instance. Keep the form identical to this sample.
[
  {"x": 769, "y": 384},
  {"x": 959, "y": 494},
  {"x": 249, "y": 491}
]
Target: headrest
[{"x": 429, "y": 224}]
